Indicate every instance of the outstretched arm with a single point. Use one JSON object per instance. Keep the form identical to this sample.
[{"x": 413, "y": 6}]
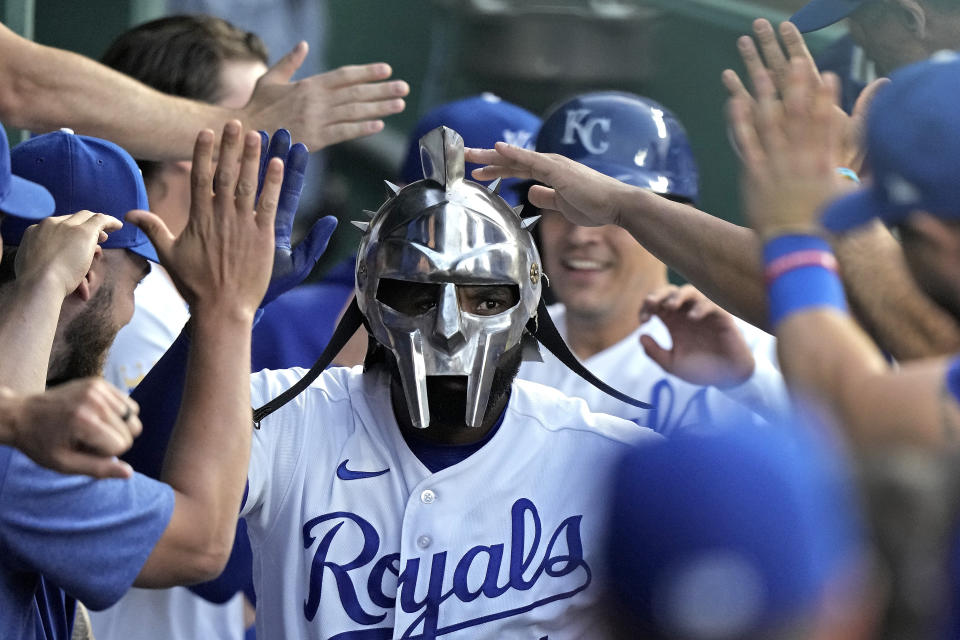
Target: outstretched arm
[
  {"x": 42, "y": 88},
  {"x": 920, "y": 328},
  {"x": 221, "y": 265},
  {"x": 718, "y": 257},
  {"x": 789, "y": 150}
]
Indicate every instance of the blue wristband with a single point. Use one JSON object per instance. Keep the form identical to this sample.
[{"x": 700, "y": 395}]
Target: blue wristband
[
  {"x": 782, "y": 245},
  {"x": 803, "y": 287}
]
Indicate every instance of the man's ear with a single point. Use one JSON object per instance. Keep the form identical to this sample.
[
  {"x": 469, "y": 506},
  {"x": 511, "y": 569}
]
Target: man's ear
[
  {"x": 912, "y": 15},
  {"x": 93, "y": 279}
]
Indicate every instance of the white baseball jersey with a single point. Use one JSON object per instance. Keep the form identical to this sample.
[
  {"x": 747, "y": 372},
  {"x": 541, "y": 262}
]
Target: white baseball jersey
[
  {"x": 168, "y": 614},
  {"x": 676, "y": 403},
  {"x": 353, "y": 537}
]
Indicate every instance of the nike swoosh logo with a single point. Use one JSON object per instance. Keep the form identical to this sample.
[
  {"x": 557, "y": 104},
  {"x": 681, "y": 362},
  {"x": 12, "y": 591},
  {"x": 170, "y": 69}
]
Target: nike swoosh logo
[{"x": 347, "y": 474}]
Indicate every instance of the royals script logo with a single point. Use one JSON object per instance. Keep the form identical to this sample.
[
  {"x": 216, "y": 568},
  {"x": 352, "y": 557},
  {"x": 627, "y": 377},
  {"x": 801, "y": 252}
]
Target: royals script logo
[{"x": 531, "y": 570}]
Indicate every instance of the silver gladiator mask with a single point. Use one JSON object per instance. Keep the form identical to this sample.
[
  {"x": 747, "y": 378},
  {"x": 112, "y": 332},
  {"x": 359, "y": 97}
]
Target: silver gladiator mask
[{"x": 446, "y": 231}]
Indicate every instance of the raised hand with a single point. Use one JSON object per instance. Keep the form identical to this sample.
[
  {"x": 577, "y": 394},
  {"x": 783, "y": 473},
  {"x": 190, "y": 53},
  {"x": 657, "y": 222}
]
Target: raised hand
[
  {"x": 708, "y": 347},
  {"x": 222, "y": 259},
  {"x": 850, "y": 128},
  {"x": 788, "y": 150},
  {"x": 78, "y": 427},
  {"x": 584, "y": 196},
  {"x": 60, "y": 249},
  {"x": 324, "y": 109},
  {"x": 291, "y": 266}
]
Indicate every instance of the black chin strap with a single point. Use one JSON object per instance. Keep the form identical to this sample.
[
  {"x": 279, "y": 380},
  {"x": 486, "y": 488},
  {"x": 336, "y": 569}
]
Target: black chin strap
[
  {"x": 541, "y": 327},
  {"x": 351, "y": 321},
  {"x": 545, "y": 331}
]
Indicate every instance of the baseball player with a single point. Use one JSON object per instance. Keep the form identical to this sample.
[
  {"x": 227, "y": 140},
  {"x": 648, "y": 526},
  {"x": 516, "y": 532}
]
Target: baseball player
[
  {"x": 605, "y": 280},
  {"x": 428, "y": 493}
]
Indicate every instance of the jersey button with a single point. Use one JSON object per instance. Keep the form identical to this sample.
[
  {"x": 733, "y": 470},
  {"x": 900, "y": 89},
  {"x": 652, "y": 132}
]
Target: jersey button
[
  {"x": 428, "y": 496},
  {"x": 424, "y": 541}
]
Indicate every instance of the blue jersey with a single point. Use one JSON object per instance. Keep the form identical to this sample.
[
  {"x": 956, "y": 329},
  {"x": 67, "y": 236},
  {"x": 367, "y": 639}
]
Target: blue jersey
[{"x": 85, "y": 536}]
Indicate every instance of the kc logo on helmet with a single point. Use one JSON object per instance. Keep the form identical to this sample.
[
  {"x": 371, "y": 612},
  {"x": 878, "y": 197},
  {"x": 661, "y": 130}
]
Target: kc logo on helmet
[{"x": 583, "y": 128}]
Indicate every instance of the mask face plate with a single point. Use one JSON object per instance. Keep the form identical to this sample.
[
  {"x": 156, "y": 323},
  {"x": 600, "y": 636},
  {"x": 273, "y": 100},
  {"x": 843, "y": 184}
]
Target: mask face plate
[{"x": 447, "y": 232}]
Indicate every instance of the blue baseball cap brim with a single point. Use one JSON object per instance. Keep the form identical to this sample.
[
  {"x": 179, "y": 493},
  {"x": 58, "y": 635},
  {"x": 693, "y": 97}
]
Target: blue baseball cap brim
[
  {"x": 27, "y": 200},
  {"x": 858, "y": 208},
  {"x": 143, "y": 249},
  {"x": 83, "y": 172},
  {"x": 818, "y": 14}
]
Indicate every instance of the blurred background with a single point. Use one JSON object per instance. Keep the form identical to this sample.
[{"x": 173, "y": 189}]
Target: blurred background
[{"x": 531, "y": 52}]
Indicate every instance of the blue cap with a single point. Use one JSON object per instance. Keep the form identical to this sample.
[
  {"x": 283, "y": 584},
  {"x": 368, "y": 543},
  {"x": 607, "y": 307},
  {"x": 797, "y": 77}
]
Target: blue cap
[
  {"x": 818, "y": 14},
  {"x": 913, "y": 146},
  {"x": 625, "y": 136},
  {"x": 730, "y": 534},
  {"x": 83, "y": 173},
  {"x": 482, "y": 121},
  {"x": 19, "y": 197}
]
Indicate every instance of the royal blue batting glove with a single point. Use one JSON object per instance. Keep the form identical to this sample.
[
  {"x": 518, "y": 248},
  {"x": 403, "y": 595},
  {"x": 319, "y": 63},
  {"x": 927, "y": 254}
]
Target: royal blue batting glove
[{"x": 291, "y": 265}]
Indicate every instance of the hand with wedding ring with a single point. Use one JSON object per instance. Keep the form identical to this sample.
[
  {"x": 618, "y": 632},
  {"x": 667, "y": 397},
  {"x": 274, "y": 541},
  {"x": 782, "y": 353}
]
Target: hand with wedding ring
[{"x": 78, "y": 427}]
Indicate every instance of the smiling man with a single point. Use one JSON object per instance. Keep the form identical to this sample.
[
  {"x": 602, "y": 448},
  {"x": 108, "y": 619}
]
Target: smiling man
[{"x": 602, "y": 278}]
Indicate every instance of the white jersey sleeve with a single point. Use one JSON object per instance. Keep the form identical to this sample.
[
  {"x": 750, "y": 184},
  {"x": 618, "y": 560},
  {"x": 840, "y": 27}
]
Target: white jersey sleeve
[{"x": 303, "y": 423}]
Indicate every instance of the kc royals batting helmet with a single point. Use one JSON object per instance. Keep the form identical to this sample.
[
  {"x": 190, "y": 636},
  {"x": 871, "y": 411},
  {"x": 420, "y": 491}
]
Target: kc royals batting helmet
[{"x": 624, "y": 136}]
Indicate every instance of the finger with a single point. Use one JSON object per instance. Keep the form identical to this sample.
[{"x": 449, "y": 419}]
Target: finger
[
  {"x": 294, "y": 173},
  {"x": 313, "y": 246},
  {"x": 777, "y": 62},
  {"x": 797, "y": 49},
  {"x": 201, "y": 172},
  {"x": 351, "y": 130},
  {"x": 360, "y": 111},
  {"x": 363, "y": 92},
  {"x": 355, "y": 74},
  {"x": 751, "y": 59},
  {"x": 797, "y": 103},
  {"x": 733, "y": 84},
  {"x": 543, "y": 197},
  {"x": 482, "y": 156},
  {"x": 246, "y": 190},
  {"x": 286, "y": 66},
  {"x": 264, "y": 157},
  {"x": 279, "y": 145},
  {"x": 103, "y": 221},
  {"x": 770, "y": 121},
  {"x": 688, "y": 293},
  {"x": 825, "y": 101},
  {"x": 655, "y": 298},
  {"x": 99, "y": 429},
  {"x": 156, "y": 229},
  {"x": 658, "y": 354},
  {"x": 231, "y": 148},
  {"x": 743, "y": 125},
  {"x": 269, "y": 197},
  {"x": 862, "y": 105},
  {"x": 78, "y": 462},
  {"x": 700, "y": 308}
]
